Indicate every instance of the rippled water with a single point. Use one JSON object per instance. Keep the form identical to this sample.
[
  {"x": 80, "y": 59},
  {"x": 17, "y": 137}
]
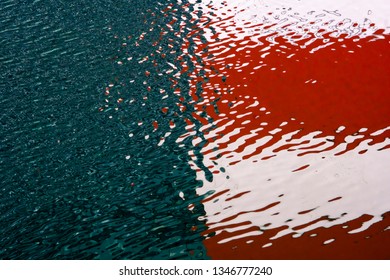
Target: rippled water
[
  {"x": 194, "y": 129},
  {"x": 299, "y": 97},
  {"x": 89, "y": 163}
]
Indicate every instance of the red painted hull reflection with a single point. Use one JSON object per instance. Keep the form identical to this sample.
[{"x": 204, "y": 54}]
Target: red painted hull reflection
[
  {"x": 303, "y": 91},
  {"x": 369, "y": 244},
  {"x": 345, "y": 85}
]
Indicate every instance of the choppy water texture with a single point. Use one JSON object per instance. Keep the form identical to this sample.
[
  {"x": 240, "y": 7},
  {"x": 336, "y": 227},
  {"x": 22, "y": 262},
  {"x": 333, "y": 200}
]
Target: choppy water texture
[{"x": 194, "y": 129}]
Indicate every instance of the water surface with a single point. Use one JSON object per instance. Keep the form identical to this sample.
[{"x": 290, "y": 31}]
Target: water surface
[{"x": 194, "y": 129}]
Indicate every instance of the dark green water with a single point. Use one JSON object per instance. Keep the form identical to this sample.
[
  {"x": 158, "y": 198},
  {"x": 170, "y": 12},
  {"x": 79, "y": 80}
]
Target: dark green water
[{"x": 74, "y": 185}]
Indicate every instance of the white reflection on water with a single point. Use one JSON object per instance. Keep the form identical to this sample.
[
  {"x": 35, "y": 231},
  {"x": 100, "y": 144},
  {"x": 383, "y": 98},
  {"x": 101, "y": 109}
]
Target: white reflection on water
[{"x": 360, "y": 180}]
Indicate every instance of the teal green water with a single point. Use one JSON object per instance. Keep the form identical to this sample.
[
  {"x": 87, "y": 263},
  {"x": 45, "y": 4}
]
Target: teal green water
[{"x": 74, "y": 185}]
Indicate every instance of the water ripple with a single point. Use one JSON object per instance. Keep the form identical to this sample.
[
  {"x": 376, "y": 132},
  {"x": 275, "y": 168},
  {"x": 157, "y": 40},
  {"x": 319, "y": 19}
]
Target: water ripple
[{"x": 92, "y": 100}]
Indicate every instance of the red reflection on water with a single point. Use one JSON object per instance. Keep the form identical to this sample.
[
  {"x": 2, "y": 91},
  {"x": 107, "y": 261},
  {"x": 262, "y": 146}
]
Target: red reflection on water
[
  {"x": 346, "y": 84},
  {"x": 279, "y": 85},
  {"x": 368, "y": 244}
]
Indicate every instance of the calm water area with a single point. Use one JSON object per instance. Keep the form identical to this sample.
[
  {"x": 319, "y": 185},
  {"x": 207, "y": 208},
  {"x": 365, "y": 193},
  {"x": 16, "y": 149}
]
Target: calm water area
[{"x": 194, "y": 129}]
